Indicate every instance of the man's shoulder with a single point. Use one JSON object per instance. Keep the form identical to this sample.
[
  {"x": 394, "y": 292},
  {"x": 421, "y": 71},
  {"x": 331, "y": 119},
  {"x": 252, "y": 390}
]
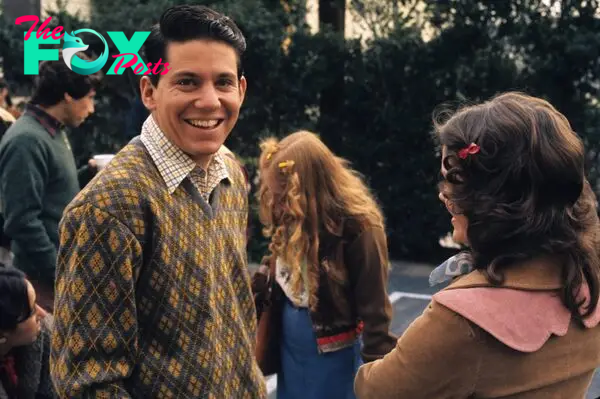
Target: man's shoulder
[
  {"x": 26, "y": 129},
  {"x": 25, "y": 135},
  {"x": 126, "y": 184},
  {"x": 26, "y": 123},
  {"x": 235, "y": 167}
]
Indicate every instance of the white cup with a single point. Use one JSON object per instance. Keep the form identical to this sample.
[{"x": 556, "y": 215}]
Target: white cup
[{"x": 102, "y": 160}]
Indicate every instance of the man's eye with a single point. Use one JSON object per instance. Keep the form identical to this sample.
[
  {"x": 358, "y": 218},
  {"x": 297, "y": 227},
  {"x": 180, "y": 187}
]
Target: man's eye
[
  {"x": 185, "y": 82},
  {"x": 225, "y": 82}
]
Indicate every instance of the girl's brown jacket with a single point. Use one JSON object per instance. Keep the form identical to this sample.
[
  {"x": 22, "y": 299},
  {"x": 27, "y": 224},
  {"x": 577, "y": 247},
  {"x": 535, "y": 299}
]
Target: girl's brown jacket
[{"x": 476, "y": 340}]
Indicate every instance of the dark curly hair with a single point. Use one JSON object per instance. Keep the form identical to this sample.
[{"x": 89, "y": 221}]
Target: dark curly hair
[
  {"x": 55, "y": 79},
  {"x": 524, "y": 193},
  {"x": 14, "y": 298}
]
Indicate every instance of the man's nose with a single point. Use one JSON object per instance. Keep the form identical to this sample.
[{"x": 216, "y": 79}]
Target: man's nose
[{"x": 208, "y": 98}]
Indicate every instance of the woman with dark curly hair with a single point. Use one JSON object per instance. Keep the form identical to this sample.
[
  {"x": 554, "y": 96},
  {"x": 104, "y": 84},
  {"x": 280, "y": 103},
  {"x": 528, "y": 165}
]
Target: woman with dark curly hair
[
  {"x": 523, "y": 322},
  {"x": 24, "y": 340}
]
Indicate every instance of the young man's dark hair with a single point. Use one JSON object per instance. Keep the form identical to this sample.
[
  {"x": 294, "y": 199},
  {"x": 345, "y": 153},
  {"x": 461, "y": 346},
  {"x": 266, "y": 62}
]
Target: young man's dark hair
[
  {"x": 188, "y": 22},
  {"x": 55, "y": 79}
]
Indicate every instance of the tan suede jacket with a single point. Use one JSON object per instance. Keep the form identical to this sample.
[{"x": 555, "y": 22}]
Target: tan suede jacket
[{"x": 477, "y": 341}]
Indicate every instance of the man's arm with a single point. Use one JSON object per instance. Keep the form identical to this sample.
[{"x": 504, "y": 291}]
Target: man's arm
[
  {"x": 23, "y": 180},
  {"x": 87, "y": 172},
  {"x": 94, "y": 342}
]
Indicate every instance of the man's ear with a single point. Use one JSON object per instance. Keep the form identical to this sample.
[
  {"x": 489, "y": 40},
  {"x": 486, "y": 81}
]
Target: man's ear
[
  {"x": 148, "y": 91},
  {"x": 243, "y": 87},
  {"x": 68, "y": 98}
]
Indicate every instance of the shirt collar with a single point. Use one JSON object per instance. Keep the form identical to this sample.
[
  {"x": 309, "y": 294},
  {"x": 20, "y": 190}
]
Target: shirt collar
[
  {"x": 173, "y": 164},
  {"x": 50, "y": 123}
]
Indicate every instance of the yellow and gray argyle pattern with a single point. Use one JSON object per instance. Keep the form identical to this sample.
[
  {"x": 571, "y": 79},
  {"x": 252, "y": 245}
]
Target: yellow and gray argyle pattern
[{"x": 153, "y": 296}]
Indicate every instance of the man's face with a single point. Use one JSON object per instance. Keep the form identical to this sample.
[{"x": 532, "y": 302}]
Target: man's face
[
  {"x": 77, "y": 111},
  {"x": 197, "y": 103}
]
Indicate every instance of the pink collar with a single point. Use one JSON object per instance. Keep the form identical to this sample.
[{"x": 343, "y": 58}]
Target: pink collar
[{"x": 522, "y": 320}]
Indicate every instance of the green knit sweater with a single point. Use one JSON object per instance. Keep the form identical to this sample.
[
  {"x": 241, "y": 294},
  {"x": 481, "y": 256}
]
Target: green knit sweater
[
  {"x": 153, "y": 295},
  {"x": 38, "y": 179}
]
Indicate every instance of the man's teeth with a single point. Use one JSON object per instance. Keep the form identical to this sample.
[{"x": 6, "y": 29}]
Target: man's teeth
[{"x": 204, "y": 123}]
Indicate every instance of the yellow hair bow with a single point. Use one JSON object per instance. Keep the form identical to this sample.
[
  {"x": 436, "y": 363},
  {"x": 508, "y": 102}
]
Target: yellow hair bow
[{"x": 285, "y": 164}]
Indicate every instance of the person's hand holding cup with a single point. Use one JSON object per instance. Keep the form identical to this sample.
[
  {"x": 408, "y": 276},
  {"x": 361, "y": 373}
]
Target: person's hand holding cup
[{"x": 101, "y": 160}]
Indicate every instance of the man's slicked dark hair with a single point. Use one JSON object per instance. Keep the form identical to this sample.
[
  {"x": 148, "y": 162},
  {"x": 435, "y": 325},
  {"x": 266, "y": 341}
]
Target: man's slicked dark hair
[
  {"x": 191, "y": 22},
  {"x": 55, "y": 79}
]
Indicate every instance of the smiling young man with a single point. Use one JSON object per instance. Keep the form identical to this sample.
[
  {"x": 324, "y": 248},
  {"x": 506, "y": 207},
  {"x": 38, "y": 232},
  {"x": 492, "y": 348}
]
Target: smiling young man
[{"x": 153, "y": 292}]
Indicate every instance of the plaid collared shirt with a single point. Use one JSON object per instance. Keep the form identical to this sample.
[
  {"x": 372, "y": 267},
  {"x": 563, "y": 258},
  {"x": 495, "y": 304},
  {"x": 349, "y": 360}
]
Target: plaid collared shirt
[
  {"x": 51, "y": 124},
  {"x": 174, "y": 165}
]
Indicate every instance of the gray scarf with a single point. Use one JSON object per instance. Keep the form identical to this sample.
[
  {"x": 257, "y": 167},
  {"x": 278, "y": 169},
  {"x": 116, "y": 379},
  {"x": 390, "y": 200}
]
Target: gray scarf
[{"x": 454, "y": 266}]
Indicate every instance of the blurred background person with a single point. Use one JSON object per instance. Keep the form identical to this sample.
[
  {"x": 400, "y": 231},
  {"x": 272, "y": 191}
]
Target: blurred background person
[{"x": 38, "y": 176}]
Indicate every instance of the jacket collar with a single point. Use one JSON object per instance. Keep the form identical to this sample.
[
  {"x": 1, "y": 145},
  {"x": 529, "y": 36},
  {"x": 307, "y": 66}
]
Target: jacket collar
[{"x": 522, "y": 312}]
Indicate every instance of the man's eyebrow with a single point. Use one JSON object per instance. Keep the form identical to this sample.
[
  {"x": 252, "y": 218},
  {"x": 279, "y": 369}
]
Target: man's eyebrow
[
  {"x": 185, "y": 74},
  {"x": 229, "y": 75},
  {"x": 189, "y": 74}
]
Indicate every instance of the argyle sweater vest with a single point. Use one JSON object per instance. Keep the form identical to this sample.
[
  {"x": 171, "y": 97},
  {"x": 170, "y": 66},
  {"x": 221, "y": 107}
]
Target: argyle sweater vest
[{"x": 153, "y": 296}]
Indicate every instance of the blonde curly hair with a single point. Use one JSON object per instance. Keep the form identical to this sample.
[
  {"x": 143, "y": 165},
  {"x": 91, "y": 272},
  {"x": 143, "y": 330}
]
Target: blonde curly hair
[{"x": 305, "y": 190}]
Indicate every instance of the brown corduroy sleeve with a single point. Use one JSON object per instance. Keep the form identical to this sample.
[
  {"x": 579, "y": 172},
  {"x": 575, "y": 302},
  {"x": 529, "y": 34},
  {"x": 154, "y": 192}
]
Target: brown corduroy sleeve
[{"x": 437, "y": 357}]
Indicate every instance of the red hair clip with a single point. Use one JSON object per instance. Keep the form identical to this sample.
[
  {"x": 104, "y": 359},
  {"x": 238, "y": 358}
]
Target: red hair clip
[{"x": 471, "y": 149}]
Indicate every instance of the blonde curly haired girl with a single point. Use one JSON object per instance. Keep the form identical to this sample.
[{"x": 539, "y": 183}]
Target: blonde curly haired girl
[{"x": 328, "y": 241}]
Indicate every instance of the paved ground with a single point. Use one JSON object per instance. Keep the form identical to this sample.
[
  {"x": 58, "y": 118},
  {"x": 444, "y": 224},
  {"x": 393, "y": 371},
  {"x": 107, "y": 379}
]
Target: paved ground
[{"x": 409, "y": 291}]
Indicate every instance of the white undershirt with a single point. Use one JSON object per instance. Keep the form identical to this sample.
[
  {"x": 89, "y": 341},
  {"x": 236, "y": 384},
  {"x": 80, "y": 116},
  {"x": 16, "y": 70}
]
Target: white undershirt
[{"x": 283, "y": 278}]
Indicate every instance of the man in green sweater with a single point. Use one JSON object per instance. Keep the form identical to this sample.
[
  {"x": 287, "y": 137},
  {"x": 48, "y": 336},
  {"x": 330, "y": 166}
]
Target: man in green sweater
[
  {"x": 153, "y": 296},
  {"x": 38, "y": 177}
]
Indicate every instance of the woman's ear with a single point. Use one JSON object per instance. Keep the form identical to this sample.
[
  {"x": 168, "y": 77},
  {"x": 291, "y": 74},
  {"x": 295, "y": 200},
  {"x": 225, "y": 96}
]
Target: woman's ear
[{"x": 3, "y": 340}]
